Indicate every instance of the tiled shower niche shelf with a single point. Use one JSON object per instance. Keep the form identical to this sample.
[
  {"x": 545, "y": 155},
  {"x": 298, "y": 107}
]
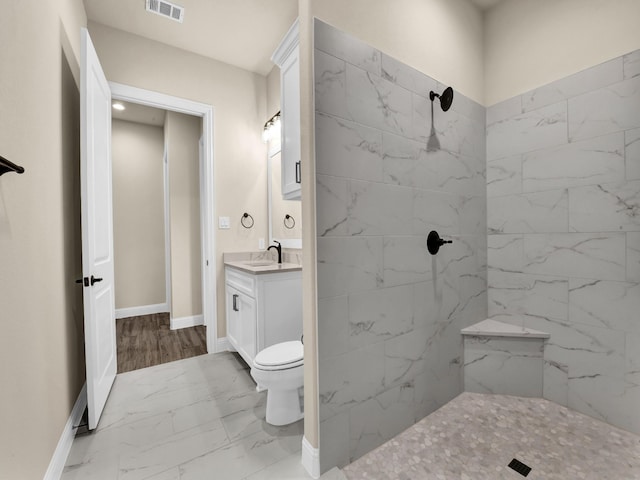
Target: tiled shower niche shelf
[{"x": 501, "y": 358}]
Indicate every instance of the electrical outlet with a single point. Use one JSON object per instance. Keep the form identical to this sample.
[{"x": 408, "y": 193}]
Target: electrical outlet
[
  {"x": 261, "y": 244},
  {"x": 224, "y": 223}
]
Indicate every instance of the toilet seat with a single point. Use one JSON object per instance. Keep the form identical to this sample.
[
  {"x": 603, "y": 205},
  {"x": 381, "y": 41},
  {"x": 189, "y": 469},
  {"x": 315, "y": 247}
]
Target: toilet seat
[
  {"x": 281, "y": 356},
  {"x": 280, "y": 370}
]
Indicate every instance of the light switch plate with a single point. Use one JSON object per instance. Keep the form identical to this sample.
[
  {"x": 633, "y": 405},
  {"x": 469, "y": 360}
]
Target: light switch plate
[{"x": 224, "y": 223}]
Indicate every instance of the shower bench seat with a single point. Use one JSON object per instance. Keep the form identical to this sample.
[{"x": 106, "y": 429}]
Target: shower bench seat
[{"x": 503, "y": 358}]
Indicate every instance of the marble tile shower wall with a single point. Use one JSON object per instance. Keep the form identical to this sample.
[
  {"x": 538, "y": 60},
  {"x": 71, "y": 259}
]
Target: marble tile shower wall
[
  {"x": 563, "y": 188},
  {"x": 390, "y": 314}
]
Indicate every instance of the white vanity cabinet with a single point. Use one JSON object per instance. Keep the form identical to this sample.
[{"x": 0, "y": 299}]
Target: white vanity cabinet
[
  {"x": 241, "y": 321},
  {"x": 287, "y": 57},
  {"x": 262, "y": 309}
]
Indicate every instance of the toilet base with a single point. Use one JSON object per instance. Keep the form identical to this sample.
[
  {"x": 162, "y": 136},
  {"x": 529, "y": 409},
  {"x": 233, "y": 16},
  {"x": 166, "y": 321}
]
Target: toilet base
[{"x": 283, "y": 407}]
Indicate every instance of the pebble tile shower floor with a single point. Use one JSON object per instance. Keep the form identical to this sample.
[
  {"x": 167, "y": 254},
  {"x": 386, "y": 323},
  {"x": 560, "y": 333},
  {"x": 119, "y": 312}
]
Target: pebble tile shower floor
[{"x": 475, "y": 437}]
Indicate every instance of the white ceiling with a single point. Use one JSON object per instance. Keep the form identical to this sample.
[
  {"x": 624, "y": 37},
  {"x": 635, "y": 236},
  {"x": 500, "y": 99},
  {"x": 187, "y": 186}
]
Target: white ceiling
[{"x": 243, "y": 33}]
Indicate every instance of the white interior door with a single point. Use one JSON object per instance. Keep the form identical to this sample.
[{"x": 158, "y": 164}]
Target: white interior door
[{"x": 97, "y": 231}]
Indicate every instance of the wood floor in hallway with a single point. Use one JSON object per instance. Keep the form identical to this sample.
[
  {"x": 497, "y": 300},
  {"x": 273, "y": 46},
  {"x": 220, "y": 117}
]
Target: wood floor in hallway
[{"x": 147, "y": 340}]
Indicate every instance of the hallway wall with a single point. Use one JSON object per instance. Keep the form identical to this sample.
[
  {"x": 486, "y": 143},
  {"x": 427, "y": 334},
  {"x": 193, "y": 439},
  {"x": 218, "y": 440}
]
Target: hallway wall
[
  {"x": 182, "y": 135},
  {"x": 137, "y": 152}
]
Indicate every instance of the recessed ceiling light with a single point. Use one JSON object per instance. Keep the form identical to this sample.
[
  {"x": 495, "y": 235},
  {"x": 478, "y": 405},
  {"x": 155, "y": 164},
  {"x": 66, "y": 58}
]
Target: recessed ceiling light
[{"x": 118, "y": 106}]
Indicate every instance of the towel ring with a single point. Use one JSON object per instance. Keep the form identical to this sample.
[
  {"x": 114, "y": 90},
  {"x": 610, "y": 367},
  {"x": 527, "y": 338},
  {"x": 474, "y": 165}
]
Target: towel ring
[
  {"x": 291, "y": 223},
  {"x": 244, "y": 220}
]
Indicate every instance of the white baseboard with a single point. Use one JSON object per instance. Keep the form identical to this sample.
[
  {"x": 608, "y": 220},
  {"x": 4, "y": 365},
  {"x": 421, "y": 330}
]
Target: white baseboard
[
  {"x": 142, "y": 310},
  {"x": 310, "y": 459},
  {"x": 185, "y": 322},
  {"x": 222, "y": 345},
  {"x": 56, "y": 466}
]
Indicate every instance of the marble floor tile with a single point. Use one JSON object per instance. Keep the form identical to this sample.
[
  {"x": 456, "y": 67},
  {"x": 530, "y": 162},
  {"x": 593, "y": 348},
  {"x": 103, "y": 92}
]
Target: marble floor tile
[
  {"x": 161, "y": 454},
  {"x": 291, "y": 468},
  {"x": 241, "y": 458},
  {"x": 475, "y": 436},
  {"x": 192, "y": 418}
]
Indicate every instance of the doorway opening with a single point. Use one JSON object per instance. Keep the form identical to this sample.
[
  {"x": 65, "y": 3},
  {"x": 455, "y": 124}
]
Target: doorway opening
[
  {"x": 156, "y": 156},
  {"x": 192, "y": 124}
]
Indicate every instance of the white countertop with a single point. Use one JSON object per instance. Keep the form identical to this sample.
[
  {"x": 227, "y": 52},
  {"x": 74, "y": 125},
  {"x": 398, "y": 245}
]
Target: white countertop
[
  {"x": 493, "y": 328},
  {"x": 257, "y": 267}
]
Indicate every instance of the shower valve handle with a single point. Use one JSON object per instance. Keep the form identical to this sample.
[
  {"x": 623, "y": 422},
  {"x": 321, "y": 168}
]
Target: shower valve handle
[{"x": 434, "y": 242}]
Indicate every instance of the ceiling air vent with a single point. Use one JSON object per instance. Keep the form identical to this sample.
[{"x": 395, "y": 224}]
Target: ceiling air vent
[{"x": 166, "y": 9}]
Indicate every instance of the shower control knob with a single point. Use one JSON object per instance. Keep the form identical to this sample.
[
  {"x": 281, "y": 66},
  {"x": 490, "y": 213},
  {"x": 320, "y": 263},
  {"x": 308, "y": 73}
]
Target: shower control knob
[{"x": 434, "y": 242}]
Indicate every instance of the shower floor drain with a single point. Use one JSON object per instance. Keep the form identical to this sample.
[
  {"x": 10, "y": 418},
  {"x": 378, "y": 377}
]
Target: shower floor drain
[{"x": 520, "y": 467}]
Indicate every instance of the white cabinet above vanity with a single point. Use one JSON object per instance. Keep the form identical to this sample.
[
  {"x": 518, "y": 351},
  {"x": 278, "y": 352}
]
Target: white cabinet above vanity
[
  {"x": 287, "y": 57},
  {"x": 263, "y": 305}
]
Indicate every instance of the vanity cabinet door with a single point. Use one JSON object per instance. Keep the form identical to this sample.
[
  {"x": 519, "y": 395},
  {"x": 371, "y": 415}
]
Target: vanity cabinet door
[
  {"x": 247, "y": 326},
  {"x": 290, "y": 85},
  {"x": 241, "y": 323},
  {"x": 233, "y": 315}
]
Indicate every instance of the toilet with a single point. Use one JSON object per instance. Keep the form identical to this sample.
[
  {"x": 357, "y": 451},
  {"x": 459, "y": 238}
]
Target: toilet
[{"x": 279, "y": 369}]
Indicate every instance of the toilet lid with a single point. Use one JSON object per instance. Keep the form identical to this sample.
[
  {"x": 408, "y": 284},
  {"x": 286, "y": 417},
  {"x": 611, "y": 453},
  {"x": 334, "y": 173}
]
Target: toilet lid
[{"x": 281, "y": 354}]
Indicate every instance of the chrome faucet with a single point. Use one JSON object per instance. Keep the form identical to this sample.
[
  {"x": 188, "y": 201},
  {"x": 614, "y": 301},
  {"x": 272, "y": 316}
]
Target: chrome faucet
[{"x": 278, "y": 248}]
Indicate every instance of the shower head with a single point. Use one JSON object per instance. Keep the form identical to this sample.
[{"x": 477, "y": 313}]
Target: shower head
[{"x": 446, "y": 99}]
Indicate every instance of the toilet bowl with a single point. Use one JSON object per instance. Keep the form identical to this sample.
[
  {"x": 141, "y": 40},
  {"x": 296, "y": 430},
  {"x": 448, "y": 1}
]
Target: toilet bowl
[{"x": 279, "y": 369}]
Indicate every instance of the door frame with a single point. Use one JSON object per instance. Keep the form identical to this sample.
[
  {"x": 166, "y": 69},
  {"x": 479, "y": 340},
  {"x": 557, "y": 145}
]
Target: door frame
[
  {"x": 167, "y": 228},
  {"x": 163, "y": 101}
]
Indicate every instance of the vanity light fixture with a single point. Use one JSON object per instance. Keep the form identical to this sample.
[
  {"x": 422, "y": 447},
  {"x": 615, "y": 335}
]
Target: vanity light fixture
[
  {"x": 271, "y": 128},
  {"x": 117, "y": 106}
]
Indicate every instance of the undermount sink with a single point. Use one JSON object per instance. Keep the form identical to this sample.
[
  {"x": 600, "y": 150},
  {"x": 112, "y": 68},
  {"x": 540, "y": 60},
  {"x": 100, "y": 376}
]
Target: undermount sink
[{"x": 259, "y": 263}]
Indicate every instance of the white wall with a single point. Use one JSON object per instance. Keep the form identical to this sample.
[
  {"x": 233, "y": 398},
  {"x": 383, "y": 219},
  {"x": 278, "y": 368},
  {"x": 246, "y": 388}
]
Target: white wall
[
  {"x": 442, "y": 38},
  {"x": 529, "y": 43},
  {"x": 273, "y": 91},
  {"x": 138, "y": 214},
  {"x": 41, "y": 345},
  {"x": 239, "y": 101},
  {"x": 182, "y": 136}
]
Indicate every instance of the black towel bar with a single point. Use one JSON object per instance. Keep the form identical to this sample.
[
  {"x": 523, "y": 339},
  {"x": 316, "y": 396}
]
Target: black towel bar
[{"x": 6, "y": 166}]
